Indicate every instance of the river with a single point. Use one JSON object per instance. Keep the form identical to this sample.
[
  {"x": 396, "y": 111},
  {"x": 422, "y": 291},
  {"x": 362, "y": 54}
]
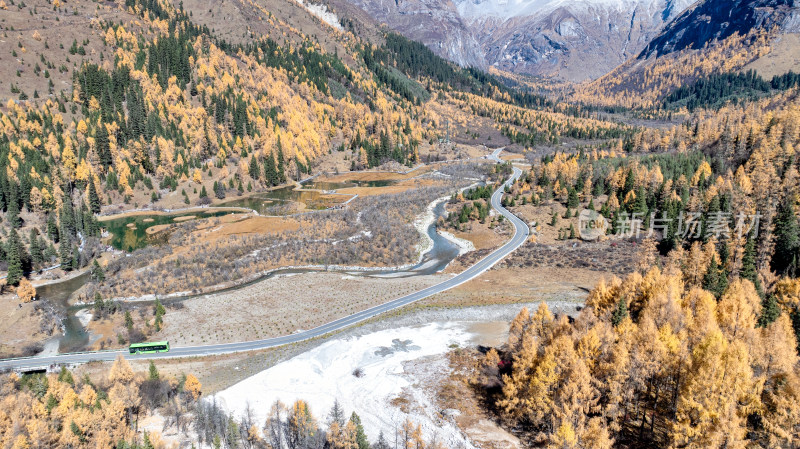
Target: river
[{"x": 76, "y": 338}]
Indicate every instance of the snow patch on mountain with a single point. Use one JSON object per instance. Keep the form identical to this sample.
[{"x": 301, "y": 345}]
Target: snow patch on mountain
[{"x": 323, "y": 13}]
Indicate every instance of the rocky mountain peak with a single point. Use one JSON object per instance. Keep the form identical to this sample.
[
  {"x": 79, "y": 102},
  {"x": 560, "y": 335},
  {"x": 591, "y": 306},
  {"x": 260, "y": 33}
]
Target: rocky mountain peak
[
  {"x": 711, "y": 20},
  {"x": 572, "y": 39}
]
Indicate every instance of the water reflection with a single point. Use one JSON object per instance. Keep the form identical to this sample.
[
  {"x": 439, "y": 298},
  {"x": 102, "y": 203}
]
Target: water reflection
[
  {"x": 335, "y": 185},
  {"x": 278, "y": 201},
  {"x": 130, "y": 233}
]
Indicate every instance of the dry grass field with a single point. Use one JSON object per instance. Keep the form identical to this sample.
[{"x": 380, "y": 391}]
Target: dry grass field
[
  {"x": 399, "y": 187},
  {"x": 376, "y": 175},
  {"x": 519, "y": 285},
  {"x": 280, "y": 306},
  {"x": 240, "y": 224},
  {"x": 783, "y": 57},
  {"x": 482, "y": 236},
  {"x": 22, "y": 327}
]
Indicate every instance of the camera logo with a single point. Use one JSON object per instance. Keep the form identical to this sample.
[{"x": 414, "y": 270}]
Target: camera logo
[{"x": 591, "y": 225}]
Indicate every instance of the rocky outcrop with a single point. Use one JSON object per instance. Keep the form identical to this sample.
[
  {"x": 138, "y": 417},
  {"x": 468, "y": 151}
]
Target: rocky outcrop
[
  {"x": 712, "y": 20},
  {"x": 575, "y": 39},
  {"x": 436, "y": 23}
]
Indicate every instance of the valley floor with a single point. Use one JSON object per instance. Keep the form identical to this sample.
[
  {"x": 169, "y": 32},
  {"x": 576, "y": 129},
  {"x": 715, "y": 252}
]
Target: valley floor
[{"x": 385, "y": 370}]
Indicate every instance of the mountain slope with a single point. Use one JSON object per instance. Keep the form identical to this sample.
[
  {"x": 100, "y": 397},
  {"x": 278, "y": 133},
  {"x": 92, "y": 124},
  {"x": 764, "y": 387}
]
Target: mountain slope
[
  {"x": 436, "y": 23},
  {"x": 574, "y": 40},
  {"x": 717, "y": 20},
  {"x": 153, "y": 104},
  {"x": 713, "y": 37},
  {"x": 167, "y": 104}
]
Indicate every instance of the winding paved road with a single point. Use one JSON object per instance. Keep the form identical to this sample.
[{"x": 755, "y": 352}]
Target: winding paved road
[{"x": 521, "y": 233}]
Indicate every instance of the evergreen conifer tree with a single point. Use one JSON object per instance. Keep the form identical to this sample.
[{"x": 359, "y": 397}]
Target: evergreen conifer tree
[
  {"x": 253, "y": 169},
  {"x": 65, "y": 255},
  {"x": 52, "y": 228},
  {"x": 572, "y": 199},
  {"x": 152, "y": 372},
  {"x": 97, "y": 271},
  {"x": 14, "y": 258},
  {"x": 37, "y": 256},
  {"x": 281, "y": 170},
  {"x": 620, "y": 312},
  {"x": 381, "y": 443},
  {"x": 361, "y": 436},
  {"x": 715, "y": 279},
  {"x": 770, "y": 311},
  {"x": 270, "y": 173},
  {"x": 749, "y": 270},
  {"x": 786, "y": 239},
  {"x": 94, "y": 199}
]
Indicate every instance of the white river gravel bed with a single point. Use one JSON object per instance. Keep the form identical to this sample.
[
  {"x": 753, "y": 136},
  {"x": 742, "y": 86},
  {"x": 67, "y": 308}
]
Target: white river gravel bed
[{"x": 326, "y": 373}]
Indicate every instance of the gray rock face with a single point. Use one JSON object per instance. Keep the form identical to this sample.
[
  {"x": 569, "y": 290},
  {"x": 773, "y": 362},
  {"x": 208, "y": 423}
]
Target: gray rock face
[
  {"x": 436, "y": 23},
  {"x": 571, "y": 39},
  {"x": 711, "y": 20}
]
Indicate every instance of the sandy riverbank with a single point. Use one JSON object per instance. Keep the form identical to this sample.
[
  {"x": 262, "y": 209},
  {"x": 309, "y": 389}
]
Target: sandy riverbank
[{"x": 464, "y": 245}]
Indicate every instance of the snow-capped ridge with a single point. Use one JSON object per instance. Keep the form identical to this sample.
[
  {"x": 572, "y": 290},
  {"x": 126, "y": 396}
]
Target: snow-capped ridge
[
  {"x": 570, "y": 39},
  {"x": 507, "y": 9}
]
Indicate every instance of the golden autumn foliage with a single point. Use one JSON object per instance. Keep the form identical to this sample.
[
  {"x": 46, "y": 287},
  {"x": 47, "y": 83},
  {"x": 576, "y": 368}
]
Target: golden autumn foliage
[
  {"x": 25, "y": 291},
  {"x": 736, "y": 161},
  {"x": 279, "y": 111},
  {"x": 677, "y": 369},
  {"x": 192, "y": 385},
  {"x": 640, "y": 84},
  {"x": 59, "y": 410},
  {"x": 342, "y": 437}
]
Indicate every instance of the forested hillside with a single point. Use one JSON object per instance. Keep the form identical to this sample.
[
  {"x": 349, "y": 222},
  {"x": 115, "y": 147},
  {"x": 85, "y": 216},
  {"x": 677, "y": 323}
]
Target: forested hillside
[
  {"x": 67, "y": 410},
  {"x": 712, "y": 38},
  {"x": 739, "y": 160},
  {"x": 150, "y": 107},
  {"x": 699, "y": 347},
  {"x": 641, "y": 84},
  {"x": 715, "y": 90}
]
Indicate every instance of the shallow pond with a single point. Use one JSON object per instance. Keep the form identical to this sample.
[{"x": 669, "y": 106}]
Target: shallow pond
[
  {"x": 130, "y": 233},
  {"x": 334, "y": 185},
  {"x": 277, "y": 202}
]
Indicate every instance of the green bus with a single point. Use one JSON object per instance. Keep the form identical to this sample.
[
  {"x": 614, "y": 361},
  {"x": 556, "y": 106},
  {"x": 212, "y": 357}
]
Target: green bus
[{"x": 149, "y": 348}]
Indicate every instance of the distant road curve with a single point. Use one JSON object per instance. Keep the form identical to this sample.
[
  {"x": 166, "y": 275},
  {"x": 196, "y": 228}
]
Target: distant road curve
[{"x": 521, "y": 233}]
